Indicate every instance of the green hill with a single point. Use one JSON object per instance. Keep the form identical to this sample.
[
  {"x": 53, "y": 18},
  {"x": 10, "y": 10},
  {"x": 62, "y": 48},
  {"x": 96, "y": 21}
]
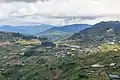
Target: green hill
[
  {"x": 8, "y": 36},
  {"x": 91, "y": 54},
  {"x": 45, "y": 65},
  {"x": 104, "y": 31}
]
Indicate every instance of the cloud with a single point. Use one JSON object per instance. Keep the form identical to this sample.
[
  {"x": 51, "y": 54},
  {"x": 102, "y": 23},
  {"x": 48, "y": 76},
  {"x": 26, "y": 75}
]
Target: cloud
[
  {"x": 23, "y": 0},
  {"x": 58, "y": 17},
  {"x": 58, "y": 12}
]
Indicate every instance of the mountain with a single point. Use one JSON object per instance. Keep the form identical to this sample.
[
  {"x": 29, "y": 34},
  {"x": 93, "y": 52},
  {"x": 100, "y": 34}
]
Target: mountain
[
  {"x": 61, "y": 32},
  {"x": 103, "y": 31},
  {"x": 28, "y": 30},
  {"x": 70, "y": 28},
  {"x": 10, "y": 36},
  {"x": 66, "y": 60}
]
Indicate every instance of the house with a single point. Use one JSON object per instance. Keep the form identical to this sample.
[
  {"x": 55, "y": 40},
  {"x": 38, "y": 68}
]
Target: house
[
  {"x": 112, "y": 43},
  {"x": 63, "y": 55},
  {"x": 74, "y": 46},
  {"x": 112, "y": 64},
  {"x": 4, "y": 43},
  {"x": 16, "y": 62},
  {"x": 97, "y": 65},
  {"x": 73, "y": 49},
  {"x": 114, "y": 77}
]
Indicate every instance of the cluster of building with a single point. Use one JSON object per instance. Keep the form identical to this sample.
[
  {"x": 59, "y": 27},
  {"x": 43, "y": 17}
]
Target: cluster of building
[{"x": 4, "y": 43}]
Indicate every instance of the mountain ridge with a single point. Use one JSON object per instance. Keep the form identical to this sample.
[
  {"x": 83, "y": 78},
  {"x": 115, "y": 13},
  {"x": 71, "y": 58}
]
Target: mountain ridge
[
  {"x": 98, "y": 30},
  {"x": 29, "y": 30},
  {"x": 66, "y": 31}
]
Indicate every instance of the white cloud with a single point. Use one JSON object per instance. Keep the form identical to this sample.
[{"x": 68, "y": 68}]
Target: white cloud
[{"x": 59, "y": 12}]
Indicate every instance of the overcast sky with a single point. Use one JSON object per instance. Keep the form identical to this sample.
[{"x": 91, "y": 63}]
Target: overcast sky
[{"x": 58, "y": 12}]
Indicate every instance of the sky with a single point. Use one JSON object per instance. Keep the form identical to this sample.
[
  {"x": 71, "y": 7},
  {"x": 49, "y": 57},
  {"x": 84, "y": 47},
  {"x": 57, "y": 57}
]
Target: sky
[{"x": 58, "y": 12}]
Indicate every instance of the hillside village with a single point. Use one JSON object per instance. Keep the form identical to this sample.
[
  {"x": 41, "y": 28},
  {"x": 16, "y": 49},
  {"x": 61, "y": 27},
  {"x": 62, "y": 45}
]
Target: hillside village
[{"x": 31, "y": 58}]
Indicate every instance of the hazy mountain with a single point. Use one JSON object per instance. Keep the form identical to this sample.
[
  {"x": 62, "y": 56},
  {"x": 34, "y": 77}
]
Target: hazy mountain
[
  {"x": 63, "y": 31},
  {"x": 67, "y": 60},
  {"x": 29, "y": 30},
  {"x": 70, "y": 28}
]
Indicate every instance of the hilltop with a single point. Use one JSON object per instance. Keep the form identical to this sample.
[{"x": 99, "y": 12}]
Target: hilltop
[
  {"x": 103, "y": 31},
  {"x": 9, "y": 36},
  {"x": 61, "y": 32}
]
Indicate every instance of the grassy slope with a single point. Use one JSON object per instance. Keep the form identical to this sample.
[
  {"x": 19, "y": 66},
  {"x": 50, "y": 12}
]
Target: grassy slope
[
  {"x": 67, "y": 68},
  {"x": 46, "y": 66}
]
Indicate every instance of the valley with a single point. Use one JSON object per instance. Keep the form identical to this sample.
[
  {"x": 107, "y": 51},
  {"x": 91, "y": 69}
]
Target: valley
[{"x": 89, "y": 54}]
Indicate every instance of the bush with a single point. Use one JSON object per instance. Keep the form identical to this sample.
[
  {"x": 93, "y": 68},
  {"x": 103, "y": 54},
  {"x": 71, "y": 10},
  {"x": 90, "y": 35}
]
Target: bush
[{"x": 29, "y": 53}]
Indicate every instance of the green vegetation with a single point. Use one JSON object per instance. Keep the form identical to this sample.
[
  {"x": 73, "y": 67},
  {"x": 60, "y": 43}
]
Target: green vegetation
[
  {"x": 40, "y": 63},
  {"x": 109, "y": 47},
  {"x": 28, "y": 42},
  {"x": 7, "y": 36},
  {"x": 91, "y": 56}
]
